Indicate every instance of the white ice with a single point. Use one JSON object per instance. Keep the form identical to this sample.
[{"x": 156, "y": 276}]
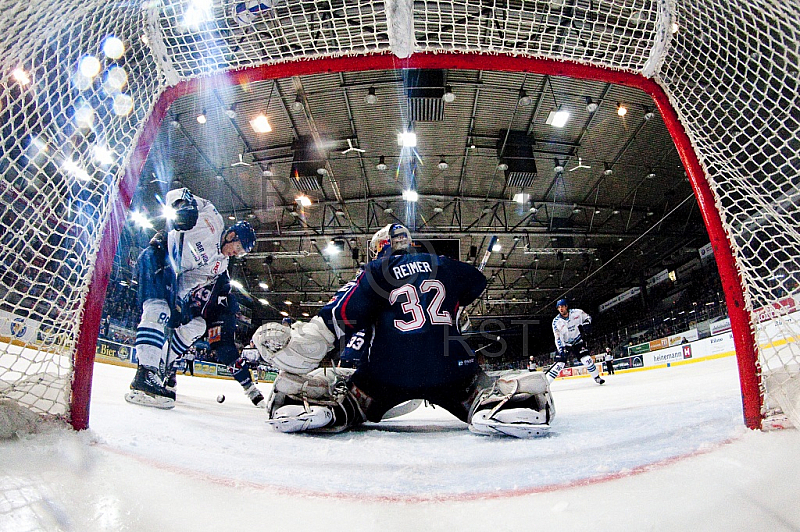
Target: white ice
[{"x": 663, "y": 449}]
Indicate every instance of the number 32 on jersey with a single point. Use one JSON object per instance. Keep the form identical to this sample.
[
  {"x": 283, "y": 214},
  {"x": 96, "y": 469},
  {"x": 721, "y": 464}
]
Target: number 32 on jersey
[{"x": 411, "y": 305}]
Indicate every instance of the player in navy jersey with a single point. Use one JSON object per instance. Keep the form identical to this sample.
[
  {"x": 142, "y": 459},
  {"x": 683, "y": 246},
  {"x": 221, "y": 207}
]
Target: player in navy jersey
[{"x": 410, "y": 301}]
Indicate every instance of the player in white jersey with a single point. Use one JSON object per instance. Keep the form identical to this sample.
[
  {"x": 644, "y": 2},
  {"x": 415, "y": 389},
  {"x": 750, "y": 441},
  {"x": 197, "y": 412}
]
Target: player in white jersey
[
  {"x": 183, "y": 283},
  {"x": 570, "y": 328}
]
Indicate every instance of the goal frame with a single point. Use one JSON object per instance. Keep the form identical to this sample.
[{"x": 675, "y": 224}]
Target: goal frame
[{"x": 743, "y": 334}]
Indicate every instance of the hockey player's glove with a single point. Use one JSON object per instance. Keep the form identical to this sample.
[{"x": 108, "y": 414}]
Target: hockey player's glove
[
  {"x": 159, "y": 241},
  {"x": 586, "y": 331},
  {"x": 297, "y": 349}
]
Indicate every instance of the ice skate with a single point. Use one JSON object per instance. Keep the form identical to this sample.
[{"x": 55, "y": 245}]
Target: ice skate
[
  {"x": 255, "y": 395},
  {"x": 147, "y": 389}
]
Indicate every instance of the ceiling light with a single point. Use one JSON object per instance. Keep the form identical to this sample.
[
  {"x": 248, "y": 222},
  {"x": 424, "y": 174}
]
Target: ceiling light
[
  {"x": 576, "y": 209},
  {"x": 332, "y": 248},
  {"x": 287, "y": 302},
  {"x": 410, "y": 195},
  {"x": 339, "y": 212},
  {"x": 407, "y": 139},
  {"x": 502, "y": 166},
  {"x": 615, "y": 211},
  {"x": 174, "y": 123},
  {"x": 648, "y": 114},
  {"x": 268, "y": 172},
  {"x": 591, "y": 106},
  {"x": 322, "y": 170},
  {"x": 381, "y": 163},
  {"x": 262, "y": 285},
  {"x": 443, "y": 164},
  {"x": 557, "y": 118},
  {"x": 532, "y": 209},
  {"x": 621, "y": 109},
  {"x": 388, "y": 210},
  {"x": 21, "y": 76},
  {"x": 524, "y": 99},
  {"x": 201, "y": 118},
  {"x": 651, "y": 174},
  {"x": 263, "y": 301},
  {"x": 260, "y": 124},
  {"x": 496, "y": 247},
  {"x": 448, "y": 96},
  {"x": 230, "y": 112},
  {"x": 486, "y": 209},
  {"x": 558, "y": 167},
  {"x": 371, "y": 97},
  {"x": 597, "y": 211},
  {"x": 305, "y": 314},
  {"x": 674, "y": 28},
  {"x": 284, "y": 314},
  {"x": 607, "y": 170},
  {"x": 297, "y": 104},
  {"x": 303, "y": 200},
  {"x": 231, "y": 217},
  {"x": 521, "y": 197},
  {"x": 219, "y": 177},
  {"x": 437, "y": 209},
  {"x": 650, "y": 213}
]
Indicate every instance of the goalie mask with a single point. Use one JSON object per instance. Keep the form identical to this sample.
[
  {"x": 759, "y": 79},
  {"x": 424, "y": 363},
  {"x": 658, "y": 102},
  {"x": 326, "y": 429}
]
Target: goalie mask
[{"x": 393, "y": 237}]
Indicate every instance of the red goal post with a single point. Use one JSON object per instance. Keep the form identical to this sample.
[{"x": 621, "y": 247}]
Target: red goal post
[{"x": 690, "y": 72}]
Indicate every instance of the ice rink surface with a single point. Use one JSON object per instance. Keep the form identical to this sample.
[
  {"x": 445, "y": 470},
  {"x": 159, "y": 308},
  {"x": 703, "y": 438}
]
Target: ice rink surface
[{"x": 653, "y": 450}]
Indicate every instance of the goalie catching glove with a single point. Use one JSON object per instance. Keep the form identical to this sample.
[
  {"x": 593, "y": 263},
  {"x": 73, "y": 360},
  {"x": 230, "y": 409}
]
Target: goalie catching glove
[{"x": 298, "y": 348}]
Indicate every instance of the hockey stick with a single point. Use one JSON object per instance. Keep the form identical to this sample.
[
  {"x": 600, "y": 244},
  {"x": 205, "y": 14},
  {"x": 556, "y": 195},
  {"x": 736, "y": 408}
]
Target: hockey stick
[{"x": 487, "y": 253}]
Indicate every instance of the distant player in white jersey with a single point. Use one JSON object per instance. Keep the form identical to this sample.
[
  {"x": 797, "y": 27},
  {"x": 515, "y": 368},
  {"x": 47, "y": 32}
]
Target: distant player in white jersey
[
  {"x": 570, "y": 328},
  {"x": 184, "y": 284}
]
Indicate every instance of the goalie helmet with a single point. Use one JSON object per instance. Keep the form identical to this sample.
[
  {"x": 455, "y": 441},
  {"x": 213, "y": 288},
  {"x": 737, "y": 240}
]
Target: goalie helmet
[{"x": 393, "y": 237}]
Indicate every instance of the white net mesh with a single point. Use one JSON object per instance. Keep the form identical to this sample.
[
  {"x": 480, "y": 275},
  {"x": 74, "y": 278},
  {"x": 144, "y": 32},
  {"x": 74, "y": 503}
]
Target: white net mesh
[{"x": 69, "y": 125}]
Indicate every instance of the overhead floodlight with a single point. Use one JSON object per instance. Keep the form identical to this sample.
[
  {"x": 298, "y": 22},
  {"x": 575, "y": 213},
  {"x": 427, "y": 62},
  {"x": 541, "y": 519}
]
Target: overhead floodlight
[
  {"x": 521, "y": 197},
  {"x": 236, "y": 284},
  {"x": 648, "y": 114},
  {"x": 497, "y": 247},
  {"x": 284, "y": 314},
  {"x": 410, "y": 195},
  {"x": 169, "y": 213},
  {"x": 381, "y": 163},
  {"x": 287, "y": 302},
  {"x": 524, "y": 99},
  {"x": 332, "y": 248},
  {"x": 260, "y": 124},
  {"x": 303, "y": 200},
  {"x": 262, "y": 285},
  {"x": 267, "y": 171},
  {"x": 443, "y": 164},
  {"x": 201, "y": 118},
  {"x": 407, "y": 139},
  {"x": 230, "y": 112},
  {"x": 557, "y": 166},
  {"x": 263, "y": 302},
  {"x": 591, "y": 106},
  {"x": 371, "y": 97},
  {"x": 21, "y": 76},
  {"x": 448, "y": 95},
  {"x": 140, "y": 220},
  {"x": 557, "y": 118},
  {"x": 607, "y": 170},
  {"x": 621, "y": 109},
  {"x": 502, "y": 166},
  {"x": 297, "y": 104}
]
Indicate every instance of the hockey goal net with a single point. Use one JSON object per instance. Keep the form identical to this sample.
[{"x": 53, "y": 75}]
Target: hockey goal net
[{"x": 85, "y": 85}]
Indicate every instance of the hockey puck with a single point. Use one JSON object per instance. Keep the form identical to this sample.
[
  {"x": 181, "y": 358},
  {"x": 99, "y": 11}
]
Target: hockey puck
[{"x": 220, "y": 398}]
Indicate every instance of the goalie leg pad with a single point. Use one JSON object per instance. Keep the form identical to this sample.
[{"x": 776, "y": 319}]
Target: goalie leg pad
[
  {"x": 138, "y": 397},
  {"x": 515, "y": 405},
  {"x": 298, "y": 418}
]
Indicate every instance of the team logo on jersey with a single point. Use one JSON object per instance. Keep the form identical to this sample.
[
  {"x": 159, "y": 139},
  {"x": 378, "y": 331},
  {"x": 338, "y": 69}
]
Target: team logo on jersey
[
  {"x": 215, "y": 334},
  {"x": 215, "y": 268}
]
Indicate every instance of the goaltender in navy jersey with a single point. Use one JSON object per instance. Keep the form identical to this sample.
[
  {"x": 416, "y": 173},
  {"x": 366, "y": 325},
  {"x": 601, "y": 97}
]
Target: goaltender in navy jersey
[{"x": 412, "y": 300}]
